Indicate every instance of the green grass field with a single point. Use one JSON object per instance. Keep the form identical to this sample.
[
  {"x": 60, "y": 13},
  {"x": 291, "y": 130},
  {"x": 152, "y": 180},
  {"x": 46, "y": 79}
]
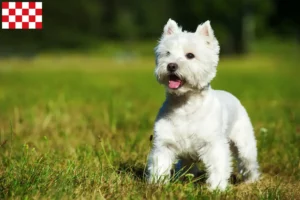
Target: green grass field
[{"x": 78, "y": 126}]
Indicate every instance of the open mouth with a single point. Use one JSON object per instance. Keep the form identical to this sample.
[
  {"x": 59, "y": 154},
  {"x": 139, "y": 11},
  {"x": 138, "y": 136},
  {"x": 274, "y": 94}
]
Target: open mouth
[{"x": 174, "y": 82}]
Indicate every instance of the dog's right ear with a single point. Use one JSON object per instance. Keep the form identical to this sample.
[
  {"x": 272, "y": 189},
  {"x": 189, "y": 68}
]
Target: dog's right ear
[
  {"x": 205, "y": 30},
  {"x": 170, "y": 28}
]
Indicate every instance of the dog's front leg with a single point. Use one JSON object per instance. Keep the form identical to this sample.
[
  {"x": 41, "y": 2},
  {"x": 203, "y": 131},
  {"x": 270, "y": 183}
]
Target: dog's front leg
[
  {"x": 217, "y": 159},
  {"x": 159, "y": 165}
]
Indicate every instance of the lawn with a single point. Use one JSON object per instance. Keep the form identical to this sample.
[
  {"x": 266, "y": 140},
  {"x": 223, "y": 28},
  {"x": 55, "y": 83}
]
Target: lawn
[{"x": 77, "y": 126}]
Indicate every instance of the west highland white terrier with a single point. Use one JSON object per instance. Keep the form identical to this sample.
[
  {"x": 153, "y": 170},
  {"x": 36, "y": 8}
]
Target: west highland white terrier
[{"x": 197, "y": 123}]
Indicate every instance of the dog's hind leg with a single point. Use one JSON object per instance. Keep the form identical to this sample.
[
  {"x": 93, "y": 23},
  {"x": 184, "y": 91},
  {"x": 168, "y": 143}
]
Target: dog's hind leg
[{"x": 242, "y": 136}]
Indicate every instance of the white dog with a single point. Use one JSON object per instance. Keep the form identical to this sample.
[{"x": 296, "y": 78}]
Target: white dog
[{"x": 196, "y": 122}]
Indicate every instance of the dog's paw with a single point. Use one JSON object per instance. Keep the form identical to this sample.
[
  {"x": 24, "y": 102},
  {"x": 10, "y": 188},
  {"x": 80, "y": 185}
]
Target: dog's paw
[
  {"x": 217, "y": 185},
  {"x": 158, "y": 180},
  {"x": 253, "y": 177}
]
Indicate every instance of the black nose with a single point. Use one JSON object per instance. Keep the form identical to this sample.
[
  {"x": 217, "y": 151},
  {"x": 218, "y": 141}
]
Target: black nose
[{"x": 172, "y": 67}]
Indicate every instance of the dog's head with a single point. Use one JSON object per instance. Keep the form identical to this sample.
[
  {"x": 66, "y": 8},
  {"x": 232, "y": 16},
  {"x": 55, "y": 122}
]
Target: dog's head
[{"x": 186, "y": 61}]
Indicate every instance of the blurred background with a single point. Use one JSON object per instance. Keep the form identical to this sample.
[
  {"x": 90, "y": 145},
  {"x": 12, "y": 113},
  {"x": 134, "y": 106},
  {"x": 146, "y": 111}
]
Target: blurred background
[{"x": 115, "y": 26}]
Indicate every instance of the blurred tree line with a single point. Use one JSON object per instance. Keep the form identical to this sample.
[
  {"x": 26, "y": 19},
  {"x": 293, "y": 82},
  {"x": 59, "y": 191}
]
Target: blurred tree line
[{"x": 71, "y": 24}]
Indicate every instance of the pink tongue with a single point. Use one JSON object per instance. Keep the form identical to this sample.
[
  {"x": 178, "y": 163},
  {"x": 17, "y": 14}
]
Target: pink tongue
[{"x": 174, "y": 84}]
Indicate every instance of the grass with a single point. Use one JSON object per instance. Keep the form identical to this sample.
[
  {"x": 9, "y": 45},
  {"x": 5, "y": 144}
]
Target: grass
[{"x": 78, "y": 126}]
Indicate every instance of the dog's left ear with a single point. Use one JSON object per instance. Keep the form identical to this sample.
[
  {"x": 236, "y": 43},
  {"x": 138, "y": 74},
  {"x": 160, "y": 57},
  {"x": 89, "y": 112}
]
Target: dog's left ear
[
  {"x": 205, "y": 30},
  {"x": 170, "y": 28}
]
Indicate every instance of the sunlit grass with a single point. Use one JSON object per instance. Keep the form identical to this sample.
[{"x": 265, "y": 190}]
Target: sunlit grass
[{"x": 78, "y": 126}]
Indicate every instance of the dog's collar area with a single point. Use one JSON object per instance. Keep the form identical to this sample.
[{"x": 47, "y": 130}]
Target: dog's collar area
[{"x": 205, "y": 87}]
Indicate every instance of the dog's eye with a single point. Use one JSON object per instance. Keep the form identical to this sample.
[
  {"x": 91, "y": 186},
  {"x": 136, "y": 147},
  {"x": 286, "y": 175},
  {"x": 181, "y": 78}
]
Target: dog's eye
[
  {"x": 190, "y": 56},
  {"x": 168, "y": 53}
]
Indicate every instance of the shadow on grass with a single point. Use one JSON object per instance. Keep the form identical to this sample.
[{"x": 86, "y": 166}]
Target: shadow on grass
[{"x": 139, "y": 173}]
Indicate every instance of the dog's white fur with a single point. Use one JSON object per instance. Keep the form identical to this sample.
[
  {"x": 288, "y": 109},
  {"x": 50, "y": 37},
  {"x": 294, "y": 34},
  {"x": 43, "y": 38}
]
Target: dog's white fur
[{"x": 196, "y": 122}]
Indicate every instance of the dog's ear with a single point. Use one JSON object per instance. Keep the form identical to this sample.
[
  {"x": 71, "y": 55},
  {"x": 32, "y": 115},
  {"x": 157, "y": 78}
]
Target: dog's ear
[
  {"x": 170, "y": 28},
  {"x": 205, "y": 30}
]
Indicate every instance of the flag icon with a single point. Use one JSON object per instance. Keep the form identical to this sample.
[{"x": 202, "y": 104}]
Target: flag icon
[{"x": 22, "y": 15}]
